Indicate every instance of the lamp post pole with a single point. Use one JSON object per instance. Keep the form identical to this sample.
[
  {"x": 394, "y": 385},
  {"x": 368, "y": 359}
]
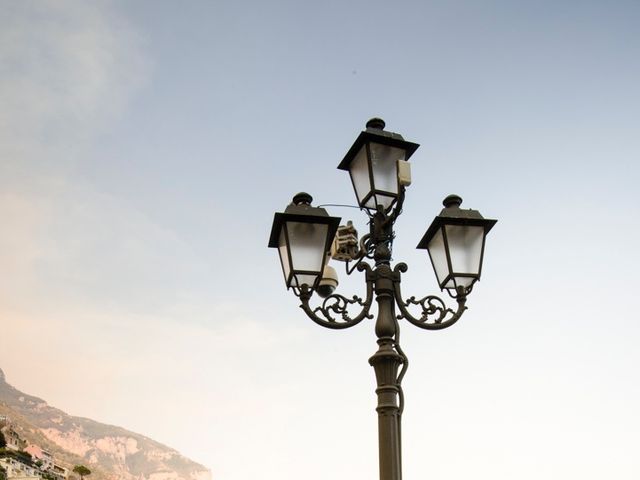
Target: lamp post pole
[
  {"x": 386, "y": 363},
  {"x": 306, "y": 236},
  {"x": 387, "y": 360}
]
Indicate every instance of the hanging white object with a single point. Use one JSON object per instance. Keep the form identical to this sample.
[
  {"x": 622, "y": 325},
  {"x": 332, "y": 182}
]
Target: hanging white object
[{"x": 404, "y": 173}]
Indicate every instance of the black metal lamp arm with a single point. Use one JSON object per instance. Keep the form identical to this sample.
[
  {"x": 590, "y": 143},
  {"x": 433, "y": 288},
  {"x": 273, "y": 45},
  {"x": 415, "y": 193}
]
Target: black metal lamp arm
[
  {"x": 364, "y": 251},
  {"x": 435, "y": 314},
  {"x": 333, "y": 313}
]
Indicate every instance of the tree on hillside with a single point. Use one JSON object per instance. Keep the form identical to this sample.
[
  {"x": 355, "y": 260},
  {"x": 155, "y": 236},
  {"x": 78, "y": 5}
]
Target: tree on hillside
[
  {"x": 82, "y": 471},
  {"x": 3, "y": 441}
]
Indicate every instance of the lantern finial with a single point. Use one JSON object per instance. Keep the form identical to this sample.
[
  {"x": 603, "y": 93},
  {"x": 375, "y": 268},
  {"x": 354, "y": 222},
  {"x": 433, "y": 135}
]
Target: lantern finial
[
  {"x": 452, "y": 200},
  {"x": 302, "y": 198},
  {"x": 376, "y": 123}
]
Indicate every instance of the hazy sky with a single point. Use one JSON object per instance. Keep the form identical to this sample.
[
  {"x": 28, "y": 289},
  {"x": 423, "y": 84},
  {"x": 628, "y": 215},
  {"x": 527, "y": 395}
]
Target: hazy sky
[{"x": 144, "y": 147}]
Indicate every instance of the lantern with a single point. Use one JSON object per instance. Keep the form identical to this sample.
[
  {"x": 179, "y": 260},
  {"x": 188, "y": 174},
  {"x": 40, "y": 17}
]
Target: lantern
[
  {"x": 455, "y": 241},
  {"x": 372, "y": 162},
  {"x": 303, "y": 235}
]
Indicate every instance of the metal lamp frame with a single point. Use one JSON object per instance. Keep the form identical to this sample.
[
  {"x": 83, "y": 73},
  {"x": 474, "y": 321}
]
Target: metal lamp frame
[
  {"x": 375, "y": 133},
  {"x": 383, "y": 284},
  {"x": 301, "y": 211},
  {"x": 452, "y": 214}
]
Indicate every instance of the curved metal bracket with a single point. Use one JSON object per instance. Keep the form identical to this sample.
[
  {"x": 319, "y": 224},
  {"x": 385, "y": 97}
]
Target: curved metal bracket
[
  {"x": 435, "y": 314},
  {"x": 364, "y": 251},
  {"x": 333, "y": 313}
]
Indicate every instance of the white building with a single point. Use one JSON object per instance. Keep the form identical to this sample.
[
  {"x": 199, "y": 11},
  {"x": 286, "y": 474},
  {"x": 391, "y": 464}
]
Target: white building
[{"x": 19, "y": 468}]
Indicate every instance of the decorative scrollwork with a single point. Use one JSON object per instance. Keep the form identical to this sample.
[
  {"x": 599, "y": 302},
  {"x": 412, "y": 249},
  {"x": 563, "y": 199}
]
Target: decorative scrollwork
[
  {"x": 431, "y": 306},
  {"x": 435, "y": 314},
  {"x": 334, "y": 311},
  {"x": 337, "y": 304}
]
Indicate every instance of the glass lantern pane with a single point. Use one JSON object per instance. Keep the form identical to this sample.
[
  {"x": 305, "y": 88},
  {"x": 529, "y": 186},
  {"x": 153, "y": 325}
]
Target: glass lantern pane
[
  {"x": 384, "y": 200},
  {"x": 450, "y": 284},
  {"x": 307, "y": 242},
  {"x": 464, "y": 281},
  {"x": 438, "y": 255},
  {"x": 284, "y": 255},
  {"x": 359, "y": 170},
  {"x": 384, "y": 162},
  {"x": 304, "y": 279},
  {"x": 465, "y": 247}
]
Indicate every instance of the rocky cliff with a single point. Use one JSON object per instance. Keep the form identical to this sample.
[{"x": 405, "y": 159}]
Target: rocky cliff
[{"x": 110, "y": 452}]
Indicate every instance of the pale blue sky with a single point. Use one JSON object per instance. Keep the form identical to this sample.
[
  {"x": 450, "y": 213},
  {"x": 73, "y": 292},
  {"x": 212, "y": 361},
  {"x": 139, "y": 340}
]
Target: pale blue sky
[{"x": 145, "y": 146}]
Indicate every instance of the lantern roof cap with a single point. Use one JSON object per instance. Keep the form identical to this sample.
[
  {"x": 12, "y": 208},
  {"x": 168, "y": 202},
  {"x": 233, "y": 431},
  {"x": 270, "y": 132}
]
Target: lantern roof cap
[
  {"x": 452, "y": 209},
  {"x": 301, "y": 205},
  {"x": 302, "y": 198},
  {"x": 452, "y": 214},
  {"x": 375, "y": 132},
  {"x": 300, "y": 210}
]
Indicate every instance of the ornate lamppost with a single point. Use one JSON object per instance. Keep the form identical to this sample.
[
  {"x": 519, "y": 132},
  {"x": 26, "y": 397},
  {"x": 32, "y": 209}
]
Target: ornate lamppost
[{"x": 306, "y": 237}]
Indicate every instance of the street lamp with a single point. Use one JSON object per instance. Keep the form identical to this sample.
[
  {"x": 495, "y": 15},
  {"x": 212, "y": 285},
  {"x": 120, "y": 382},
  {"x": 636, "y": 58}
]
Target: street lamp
[
  {"x": 302, "y": 235},
  {"x": 307, "y": 236},
  {"x": 373, "y": 161}
]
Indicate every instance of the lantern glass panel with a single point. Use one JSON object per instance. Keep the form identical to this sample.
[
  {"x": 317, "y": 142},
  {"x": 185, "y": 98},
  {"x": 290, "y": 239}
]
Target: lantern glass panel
[
  {"x": 438, "y": 254},
  {"x": 384, "y": 163},
  {"x": 307, "y": 242},
  {"x": 460, "y": 282},
  {"x": 300, "y": 279},
  {"x": 284, "y": 255},
  {"x": 465, "y": 248},
  {"x": 359, "y": 170}
]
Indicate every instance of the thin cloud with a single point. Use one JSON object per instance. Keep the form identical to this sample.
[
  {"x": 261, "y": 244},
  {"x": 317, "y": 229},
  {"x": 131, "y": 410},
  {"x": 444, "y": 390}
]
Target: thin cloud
[{"x": 66, "y": 69}]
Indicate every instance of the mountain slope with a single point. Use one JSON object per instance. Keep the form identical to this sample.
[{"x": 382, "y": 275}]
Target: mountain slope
[{"x": 110, "y": 452}]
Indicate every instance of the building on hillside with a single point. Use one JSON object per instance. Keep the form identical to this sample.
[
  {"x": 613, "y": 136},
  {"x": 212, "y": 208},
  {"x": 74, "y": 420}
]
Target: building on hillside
[
  {"x": 5, "y": 422},
  {"x": 19, "y": 466},
  {"x": 58, "y": 472},
  {"x": 47, "y": 463},
  {"x": 42, "y": 457},
  {"x": 14, "y": 441},
  {"x": 36, "y": 461}
]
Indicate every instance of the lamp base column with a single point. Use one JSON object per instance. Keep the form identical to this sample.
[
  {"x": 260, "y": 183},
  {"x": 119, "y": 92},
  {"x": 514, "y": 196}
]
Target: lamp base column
[{"x": 386, "y": 362}]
